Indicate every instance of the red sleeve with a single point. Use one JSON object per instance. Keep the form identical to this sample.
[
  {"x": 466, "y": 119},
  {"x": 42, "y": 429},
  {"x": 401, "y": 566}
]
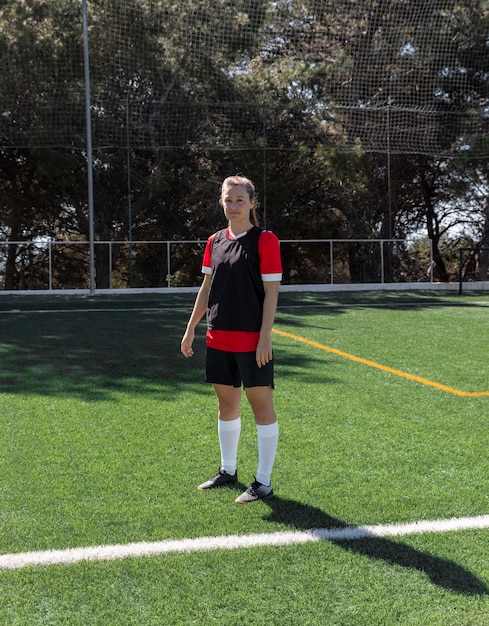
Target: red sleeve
[
  {"x": 207, "y": 261},
  {"x": 269, "y": 253}
]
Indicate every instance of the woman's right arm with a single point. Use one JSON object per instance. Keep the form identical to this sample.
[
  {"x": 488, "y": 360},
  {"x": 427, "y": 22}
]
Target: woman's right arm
[{"x": 200, "y": 307}]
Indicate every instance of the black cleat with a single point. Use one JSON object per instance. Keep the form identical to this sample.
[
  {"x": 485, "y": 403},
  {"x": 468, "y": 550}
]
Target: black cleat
[{"x": 219, "y": 480}]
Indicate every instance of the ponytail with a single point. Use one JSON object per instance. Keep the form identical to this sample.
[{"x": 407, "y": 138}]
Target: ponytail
[{"x": 254, "y": 217}]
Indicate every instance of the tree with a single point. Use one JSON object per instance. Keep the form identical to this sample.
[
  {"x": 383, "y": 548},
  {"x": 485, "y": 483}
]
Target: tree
[
  {"x": 349, "y": 116},
  {"x": 150, "y": 66}
]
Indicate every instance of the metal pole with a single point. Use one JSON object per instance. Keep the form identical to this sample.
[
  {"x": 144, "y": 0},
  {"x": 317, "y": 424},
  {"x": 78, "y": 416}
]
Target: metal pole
[
  {"x": 382, "y": 261},
  {"x": 331, "y": 261},
  {"x": 264, "y": 129},
  {"x": 460, "y": 271},
  {"x": 50, "y": 262},
  {"x": 110, "y": 264},
  {"x": 168, "y": 261},
  {"x": 389, "y": 181},
  {"x": 129, "y": 191},
  {"x": 389, "y": 194},
  {"x": 432, "y": 271},
  {"x": 88, "y": 124}
]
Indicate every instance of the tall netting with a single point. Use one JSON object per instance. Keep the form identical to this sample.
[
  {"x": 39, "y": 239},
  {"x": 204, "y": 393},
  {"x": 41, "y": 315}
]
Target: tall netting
[
  {"x": 398, "y": 75},
  {"x": 357, "y": 118}
]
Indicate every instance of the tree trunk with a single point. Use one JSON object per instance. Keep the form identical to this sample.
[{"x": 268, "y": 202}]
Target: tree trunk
[
  {"x": 102, "y": 266},
  {"x": 10, "y": 263},
  {"x": 483, "y": 260},
  {"x": 10, "y": 268},
  {"x": 440, "y": 270},
  {"x": 433, "y": 228}
]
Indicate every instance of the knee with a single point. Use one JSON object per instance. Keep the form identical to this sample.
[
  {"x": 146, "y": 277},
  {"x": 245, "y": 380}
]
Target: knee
[
  {"x": 263, "y": 413},
  {"x": 265, "y": 418},
  {"x": 228, "y": 408}
]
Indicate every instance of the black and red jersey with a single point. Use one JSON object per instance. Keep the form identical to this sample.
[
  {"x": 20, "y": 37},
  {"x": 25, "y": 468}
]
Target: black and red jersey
[{"x": 239, "y": 265}]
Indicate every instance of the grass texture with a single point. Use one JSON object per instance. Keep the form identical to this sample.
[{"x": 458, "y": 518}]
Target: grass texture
[{"x": 106, "y": 430}]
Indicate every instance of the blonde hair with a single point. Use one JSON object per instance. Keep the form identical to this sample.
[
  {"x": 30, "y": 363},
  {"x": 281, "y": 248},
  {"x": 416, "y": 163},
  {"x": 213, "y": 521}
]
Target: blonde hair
[{"x": 233, "y": 181}]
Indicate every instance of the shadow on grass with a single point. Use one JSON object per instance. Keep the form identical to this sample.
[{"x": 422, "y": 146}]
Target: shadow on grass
[
  {"x": 95, "y": 348},
  {"x": 338, "y": 302},
  {"x": 94, "y": 355},
  {"x": 295, "y": 309},
  {"x": 442, "y": 572}
]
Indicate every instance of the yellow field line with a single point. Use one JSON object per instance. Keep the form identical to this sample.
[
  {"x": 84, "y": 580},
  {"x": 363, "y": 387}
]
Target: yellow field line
[{"x": 384, "y": 368}]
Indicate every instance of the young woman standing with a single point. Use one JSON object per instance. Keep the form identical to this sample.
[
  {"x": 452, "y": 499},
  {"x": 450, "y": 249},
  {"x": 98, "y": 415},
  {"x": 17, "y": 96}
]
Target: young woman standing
[{"x": 242, "y": 273}]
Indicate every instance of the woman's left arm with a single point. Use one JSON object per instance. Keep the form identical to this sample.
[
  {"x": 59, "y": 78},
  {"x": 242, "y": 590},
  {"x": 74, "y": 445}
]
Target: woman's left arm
[{"x": 264, "y": 352}]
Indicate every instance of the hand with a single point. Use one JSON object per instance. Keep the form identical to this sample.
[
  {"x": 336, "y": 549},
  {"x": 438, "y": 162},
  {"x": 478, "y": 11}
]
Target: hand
[
  {"x": 264, "y": 353},
  {"x": 186, "y": 345}
]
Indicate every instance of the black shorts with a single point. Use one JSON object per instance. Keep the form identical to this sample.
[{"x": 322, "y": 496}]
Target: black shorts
[{"x": 236, "y": 368}]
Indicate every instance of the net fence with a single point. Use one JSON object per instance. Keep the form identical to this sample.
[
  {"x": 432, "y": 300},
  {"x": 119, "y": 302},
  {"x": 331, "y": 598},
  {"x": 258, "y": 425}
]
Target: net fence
[
  {"x": 397, "y": 76},
  {"x": 357, "y": 119}
]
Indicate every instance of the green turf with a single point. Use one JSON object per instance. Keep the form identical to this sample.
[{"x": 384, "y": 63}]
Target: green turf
[{"x": 107, "y": 430}]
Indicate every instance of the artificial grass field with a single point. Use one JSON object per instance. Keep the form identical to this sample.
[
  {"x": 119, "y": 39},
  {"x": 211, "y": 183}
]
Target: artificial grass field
[{"x": 106, "y": 430}]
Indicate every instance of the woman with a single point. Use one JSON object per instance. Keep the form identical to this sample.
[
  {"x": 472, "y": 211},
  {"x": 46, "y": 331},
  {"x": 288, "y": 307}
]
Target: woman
[{"x": 242, "y": 273}]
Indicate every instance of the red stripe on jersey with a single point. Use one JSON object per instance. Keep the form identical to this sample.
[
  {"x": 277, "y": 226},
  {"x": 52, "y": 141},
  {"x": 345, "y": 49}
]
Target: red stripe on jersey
[{"x": 232, "y": 340}]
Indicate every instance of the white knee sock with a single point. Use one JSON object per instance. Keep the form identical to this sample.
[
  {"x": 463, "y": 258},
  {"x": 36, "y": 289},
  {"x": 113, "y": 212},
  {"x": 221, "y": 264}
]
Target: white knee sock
[
  {"x": 267, "y": 449},
  {"x": 228, "y": 440}
]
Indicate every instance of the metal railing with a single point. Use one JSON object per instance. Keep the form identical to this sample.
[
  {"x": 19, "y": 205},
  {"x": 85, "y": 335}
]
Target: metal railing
[
  {"x": 332, "y": 242},
  {"x": 49, "y": 264}
]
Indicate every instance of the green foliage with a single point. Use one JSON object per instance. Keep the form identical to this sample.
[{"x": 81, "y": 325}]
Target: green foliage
[{"x": 356, "y": 120}]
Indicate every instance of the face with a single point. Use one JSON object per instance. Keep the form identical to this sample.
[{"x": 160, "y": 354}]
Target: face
[{"x": 236, "y": 203}]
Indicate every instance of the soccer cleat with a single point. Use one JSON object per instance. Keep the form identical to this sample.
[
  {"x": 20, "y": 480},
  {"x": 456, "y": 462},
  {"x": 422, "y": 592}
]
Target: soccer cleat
[
  {"x": 256, "y": 491},
  {"x": 219, "y": 480}
]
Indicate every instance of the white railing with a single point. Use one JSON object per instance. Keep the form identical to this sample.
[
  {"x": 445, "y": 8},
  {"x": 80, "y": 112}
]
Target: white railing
[
  {"x": 39, "y": 258},
  {"x": 331, "y": 242}
]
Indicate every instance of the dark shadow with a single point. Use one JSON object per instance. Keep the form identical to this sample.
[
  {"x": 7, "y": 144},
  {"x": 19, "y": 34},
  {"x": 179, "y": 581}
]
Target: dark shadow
[
  {"x": 301, "y": 310},
  {"x": 95, "y": 354},
  {"x": 338, "y": 302},
  {"x": 94, "y": 347},
  {"x": 442, "y": 572}
]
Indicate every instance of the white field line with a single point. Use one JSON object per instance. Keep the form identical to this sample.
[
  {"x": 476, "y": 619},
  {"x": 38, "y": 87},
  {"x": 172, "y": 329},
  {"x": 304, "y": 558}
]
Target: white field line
[
  {"x": 96, "y": 310},
  {"x": 233, "y": 542},
  {"x": 146, "y": 309}
]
